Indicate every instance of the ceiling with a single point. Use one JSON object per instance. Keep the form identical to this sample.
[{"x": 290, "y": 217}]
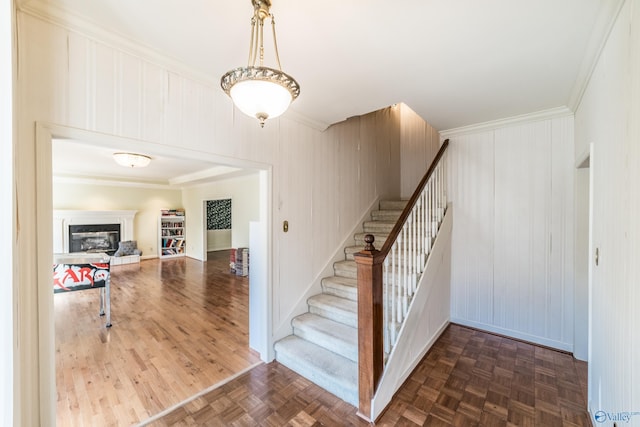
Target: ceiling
[
  {"x": 76, "y": 161},
  {"x": 454, "y": 62}
]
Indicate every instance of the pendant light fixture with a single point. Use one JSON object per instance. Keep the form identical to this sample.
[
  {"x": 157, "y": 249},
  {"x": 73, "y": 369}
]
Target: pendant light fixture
[{"x": 259, "y": 91}]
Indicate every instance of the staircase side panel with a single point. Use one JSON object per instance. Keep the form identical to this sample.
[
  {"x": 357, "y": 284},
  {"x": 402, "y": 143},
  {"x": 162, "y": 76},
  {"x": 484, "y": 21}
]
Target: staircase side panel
[
  {"x": 284, "y": 328},
  {"x": 428, "y": 317}
]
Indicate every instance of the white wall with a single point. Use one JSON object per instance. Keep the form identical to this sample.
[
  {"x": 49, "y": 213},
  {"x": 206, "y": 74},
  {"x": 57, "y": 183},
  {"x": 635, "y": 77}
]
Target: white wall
[
  {"x": 609, "y": 117},
  {"x": 9, "y": 391},
  {"x": 245, "y": 196},
  {"x": 512, "y": 244},
  {"x": 322, "y": 182},
  {"x": 148, "y": 202}
]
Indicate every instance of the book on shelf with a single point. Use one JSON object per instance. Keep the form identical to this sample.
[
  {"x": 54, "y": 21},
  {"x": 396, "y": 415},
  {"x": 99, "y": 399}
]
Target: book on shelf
[{"x": 172, "y": 212}]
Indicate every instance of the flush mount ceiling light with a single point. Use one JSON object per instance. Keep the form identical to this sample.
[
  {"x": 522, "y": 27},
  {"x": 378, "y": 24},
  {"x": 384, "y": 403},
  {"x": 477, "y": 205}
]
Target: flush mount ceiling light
[
  {"x": 259, "y": 91},
  {"x": 131, "y": 160}
]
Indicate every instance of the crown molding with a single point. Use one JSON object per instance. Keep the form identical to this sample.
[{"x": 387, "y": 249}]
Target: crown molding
[
  {"x": 606, "y": 19},
  {"x": 306, "y": 120},
  {"x": 536, "y": 116}
]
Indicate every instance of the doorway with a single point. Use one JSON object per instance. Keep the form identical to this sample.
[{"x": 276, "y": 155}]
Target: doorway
[
  {"x": 217, "y": 225},
  {"x": 45, "y": 133},
  {"x": 581, "y": 260}
]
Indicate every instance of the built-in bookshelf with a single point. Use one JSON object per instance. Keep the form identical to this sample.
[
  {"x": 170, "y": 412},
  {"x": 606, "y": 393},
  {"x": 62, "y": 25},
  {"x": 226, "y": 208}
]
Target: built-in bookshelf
[{"x": 171, "y": 233}]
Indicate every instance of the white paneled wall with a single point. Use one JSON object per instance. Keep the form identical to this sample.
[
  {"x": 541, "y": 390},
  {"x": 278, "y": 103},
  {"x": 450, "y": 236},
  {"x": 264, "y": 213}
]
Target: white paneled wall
[
  {"x": 609, "y": 118},
  {"x": 471, "y": 184},
  {"x": 512, "y": 244},
  {"x": 322, "y": 182}
]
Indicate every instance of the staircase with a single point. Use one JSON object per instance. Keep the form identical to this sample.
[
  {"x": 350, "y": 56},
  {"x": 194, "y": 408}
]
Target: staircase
[{"x": 324, "y": 344}]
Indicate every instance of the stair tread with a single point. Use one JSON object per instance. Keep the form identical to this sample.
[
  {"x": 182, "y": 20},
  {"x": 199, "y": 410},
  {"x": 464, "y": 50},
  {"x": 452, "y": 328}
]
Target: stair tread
[
  {"x": 345, "y": 287},
  {"x": 329, "y": 370}
]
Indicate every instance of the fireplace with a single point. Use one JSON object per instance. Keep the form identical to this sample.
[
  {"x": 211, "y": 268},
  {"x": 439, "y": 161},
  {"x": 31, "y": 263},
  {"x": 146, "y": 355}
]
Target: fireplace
[
  {"x": 64, "y": 220},
  {"x": 94, "y": 238}
]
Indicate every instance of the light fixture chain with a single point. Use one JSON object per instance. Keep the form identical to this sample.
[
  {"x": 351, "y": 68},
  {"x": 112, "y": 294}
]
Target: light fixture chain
[
  {"x": 253, "y": 45},
  {"x": 261, "y": 36},
  {"x": 275, "y": 42}
]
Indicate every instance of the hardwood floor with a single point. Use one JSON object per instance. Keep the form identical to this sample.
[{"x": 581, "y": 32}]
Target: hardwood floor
[
  {"x": 468, "y": 378},
  {"x": 179, "y": 327}
]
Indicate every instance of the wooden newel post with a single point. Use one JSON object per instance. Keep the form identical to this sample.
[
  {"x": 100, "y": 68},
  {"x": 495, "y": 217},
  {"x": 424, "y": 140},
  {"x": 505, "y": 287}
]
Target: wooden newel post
[{"x": 370, "y": 337}]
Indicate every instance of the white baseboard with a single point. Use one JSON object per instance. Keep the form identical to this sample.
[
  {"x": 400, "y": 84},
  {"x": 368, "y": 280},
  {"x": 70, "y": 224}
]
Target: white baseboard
[{"x": 559, "y": 345}]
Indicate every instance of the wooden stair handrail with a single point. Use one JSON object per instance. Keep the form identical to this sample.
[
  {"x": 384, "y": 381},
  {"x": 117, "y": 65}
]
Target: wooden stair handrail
[
  {"x": 370, "y": 300},
  {"x": 412, "y": 201}
]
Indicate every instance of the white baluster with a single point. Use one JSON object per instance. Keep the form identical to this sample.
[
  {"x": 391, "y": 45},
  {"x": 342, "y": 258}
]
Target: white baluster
[
  {"x": 398, "y": 281},
  {"x": 405, "y": 275},
  {"x": 385, "y": 306}
]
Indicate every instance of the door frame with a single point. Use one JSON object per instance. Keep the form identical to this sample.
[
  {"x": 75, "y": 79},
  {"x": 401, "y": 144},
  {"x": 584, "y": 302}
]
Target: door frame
[{"x": 44, "y": 330}]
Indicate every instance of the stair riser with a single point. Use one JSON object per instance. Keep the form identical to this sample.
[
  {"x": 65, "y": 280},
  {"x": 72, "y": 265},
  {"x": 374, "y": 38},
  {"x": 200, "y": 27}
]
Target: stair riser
[
  {"x": 341, "y": 316},
  {"x": 297, "y": 365},
  {"x": 348, "y": 273},
  {"x": 385, "y": 215},
  {"x": 378, "y": 242},
  {"x": 338, "y": 347},
  {"x": 342, "y": 292},
  {"x": 392, "y": 205}
]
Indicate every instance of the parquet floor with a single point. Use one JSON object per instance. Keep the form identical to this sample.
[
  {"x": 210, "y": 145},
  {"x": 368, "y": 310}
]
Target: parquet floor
[
  {"x": 179, "y": 327},
  {"x": 468, "y": 378}
]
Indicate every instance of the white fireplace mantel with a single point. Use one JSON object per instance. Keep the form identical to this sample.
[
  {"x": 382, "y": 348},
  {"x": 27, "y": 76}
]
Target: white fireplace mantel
[{"x": 62, "y": 219}]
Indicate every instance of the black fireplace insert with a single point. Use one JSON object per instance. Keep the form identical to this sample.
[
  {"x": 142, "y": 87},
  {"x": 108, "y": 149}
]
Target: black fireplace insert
[{"x": 94, "y": 238}]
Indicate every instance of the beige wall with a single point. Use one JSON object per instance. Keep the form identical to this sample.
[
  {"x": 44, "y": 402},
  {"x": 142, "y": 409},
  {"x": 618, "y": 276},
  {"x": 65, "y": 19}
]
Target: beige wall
[
  {"x": 419, "y": 143},
  {"x": 244, "y": 195},
  {"x": 146, "y": 201}
]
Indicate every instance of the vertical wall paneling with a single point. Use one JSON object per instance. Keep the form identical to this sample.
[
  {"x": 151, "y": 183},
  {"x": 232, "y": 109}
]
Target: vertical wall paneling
[
  {"x": 471, "y": 188},
  {"x": 512, "y": 243},
  {"x": 9, "y": 399},
  {"x": 79, "y": 82},
  {"x": 296, "y": 207},
  {"x": 560, "y": 307},
  {"x": 633, "y": 300},
  {"x": 174, "y": 109},
  {"x": 154, "y": 93},
  {"x": 418, "y": 148},
  {"x": 105, "y": 88},
  {"x": 131, "y": 94},
  {"x": 521, "y": 242},
  {"x": 607, "y": 117}
]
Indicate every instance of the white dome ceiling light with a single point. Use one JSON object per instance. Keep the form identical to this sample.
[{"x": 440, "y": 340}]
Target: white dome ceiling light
[{"x": 132, "y": 160}]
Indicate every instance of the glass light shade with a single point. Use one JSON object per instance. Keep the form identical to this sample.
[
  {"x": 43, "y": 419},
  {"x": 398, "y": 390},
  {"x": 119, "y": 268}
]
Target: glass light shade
[
  {"x": 260, "y": 98},
  {"x": 131, "y": 160}
]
